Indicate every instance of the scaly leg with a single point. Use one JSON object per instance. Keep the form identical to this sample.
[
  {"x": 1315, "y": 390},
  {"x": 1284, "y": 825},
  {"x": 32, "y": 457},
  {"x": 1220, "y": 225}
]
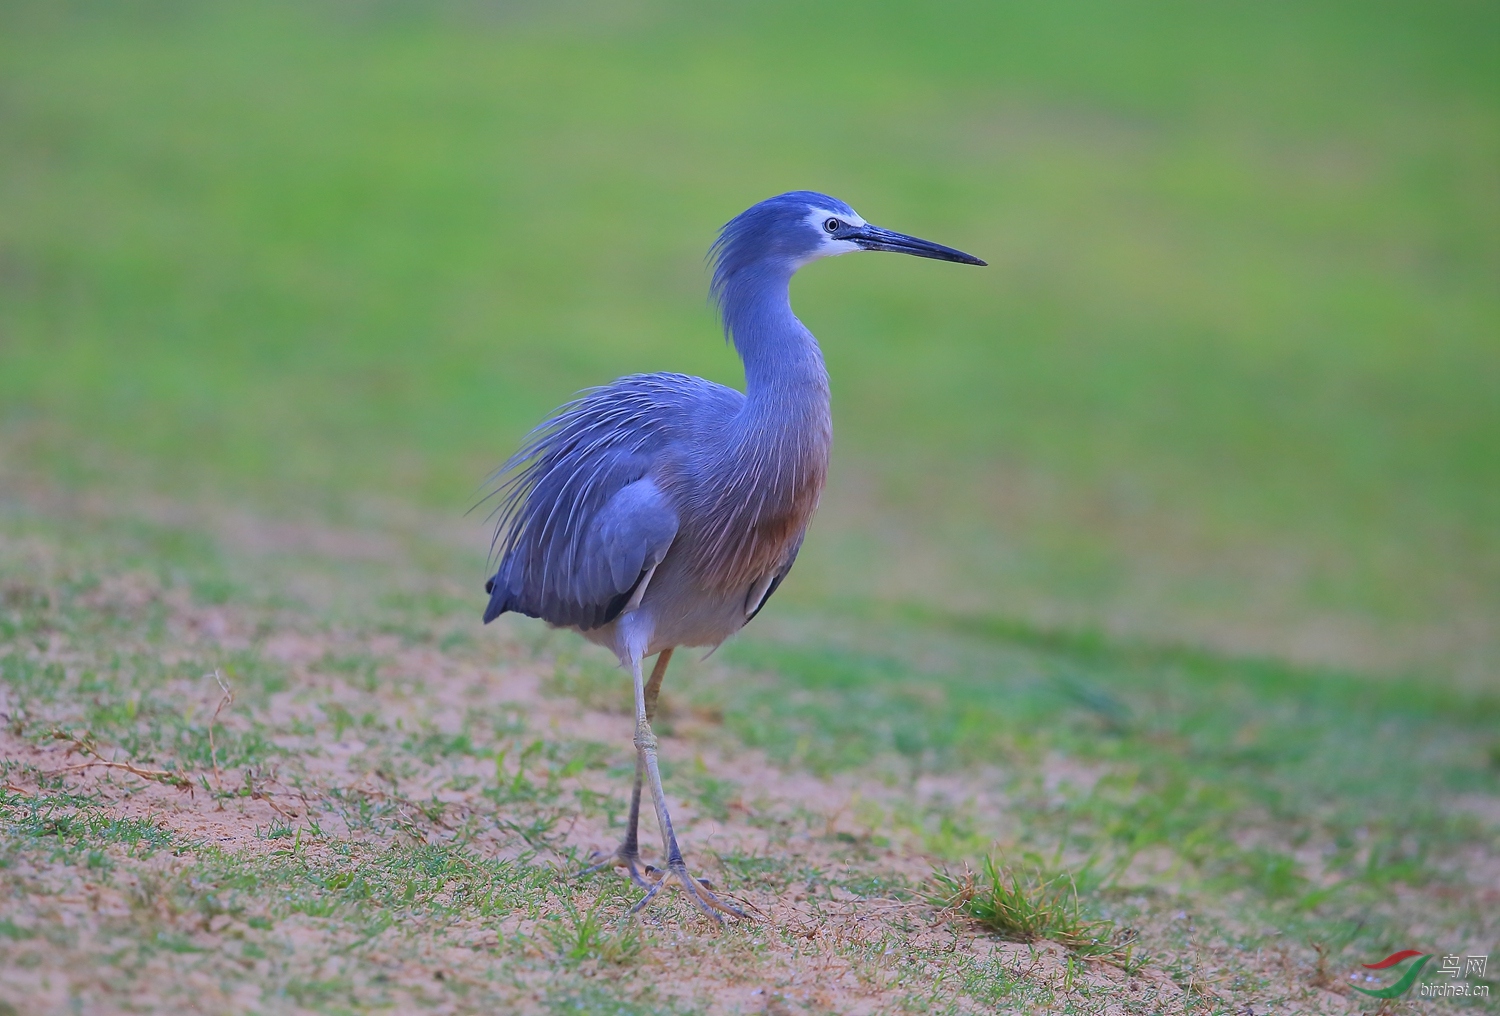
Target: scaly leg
[
  {"x": 645, "y": 744},
  {"x": 628, "y": 853}
]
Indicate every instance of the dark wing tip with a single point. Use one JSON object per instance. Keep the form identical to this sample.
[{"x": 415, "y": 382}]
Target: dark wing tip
[{"x": 497, "y": 604}]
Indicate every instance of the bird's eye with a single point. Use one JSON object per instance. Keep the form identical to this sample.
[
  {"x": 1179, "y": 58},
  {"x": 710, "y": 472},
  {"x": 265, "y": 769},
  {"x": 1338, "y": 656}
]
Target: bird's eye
[{"x": 832, "y": 225}]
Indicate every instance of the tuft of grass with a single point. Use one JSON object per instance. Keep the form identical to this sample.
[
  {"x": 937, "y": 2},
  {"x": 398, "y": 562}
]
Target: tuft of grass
[
  {"x": 584, "y": 935},
  {"x": 1027, "y": 903}
]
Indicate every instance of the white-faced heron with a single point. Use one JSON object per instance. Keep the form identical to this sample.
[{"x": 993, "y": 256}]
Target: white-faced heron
[{"x": 663, "y": 510}]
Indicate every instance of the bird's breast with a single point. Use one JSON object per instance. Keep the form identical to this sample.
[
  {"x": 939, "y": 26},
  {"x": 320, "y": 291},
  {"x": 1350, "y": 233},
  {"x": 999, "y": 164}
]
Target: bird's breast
[{"x": 748, "y": 528}]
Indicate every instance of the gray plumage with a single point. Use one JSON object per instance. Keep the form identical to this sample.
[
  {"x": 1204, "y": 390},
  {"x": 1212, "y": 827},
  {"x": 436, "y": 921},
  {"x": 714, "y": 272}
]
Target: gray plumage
[{"x": 663, "y": 510}]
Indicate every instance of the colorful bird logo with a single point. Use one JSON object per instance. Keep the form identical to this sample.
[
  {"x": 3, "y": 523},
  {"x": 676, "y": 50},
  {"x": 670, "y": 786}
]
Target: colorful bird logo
[{"x": 1409, "y": 978}]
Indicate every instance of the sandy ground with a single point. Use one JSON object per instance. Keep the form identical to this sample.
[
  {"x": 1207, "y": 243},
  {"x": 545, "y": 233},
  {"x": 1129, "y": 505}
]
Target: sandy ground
[{"x": 810, "y": 945}]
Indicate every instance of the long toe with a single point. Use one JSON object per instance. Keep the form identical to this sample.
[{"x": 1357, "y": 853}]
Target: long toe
[
  {"x": 619, "y": 858},
  {"x": 700, "y": 889},
  {"x": 697, "y": 889}
]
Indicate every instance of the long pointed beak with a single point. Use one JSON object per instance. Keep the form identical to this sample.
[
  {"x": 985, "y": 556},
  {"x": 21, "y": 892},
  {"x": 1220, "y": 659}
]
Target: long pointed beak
[{"x": 875, "y": 238}]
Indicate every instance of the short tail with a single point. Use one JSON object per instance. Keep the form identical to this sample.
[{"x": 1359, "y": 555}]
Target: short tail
[{"x": 498, "y": 601}]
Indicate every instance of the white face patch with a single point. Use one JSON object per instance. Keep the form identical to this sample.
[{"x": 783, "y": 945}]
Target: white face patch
[{"x": 831, "y": 245}]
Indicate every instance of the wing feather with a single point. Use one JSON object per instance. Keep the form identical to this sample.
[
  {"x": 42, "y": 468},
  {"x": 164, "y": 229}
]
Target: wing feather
[
  {"x": 579, "y": 514},
  {"x": 751, "y": 609}
]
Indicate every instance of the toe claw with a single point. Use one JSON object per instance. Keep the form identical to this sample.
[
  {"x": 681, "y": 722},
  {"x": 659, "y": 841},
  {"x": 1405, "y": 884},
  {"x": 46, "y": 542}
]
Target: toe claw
[
  {"x": 653, "y": 879},
  {"x": 619, "y": 858},
  {"x": 699, "y": 889}
]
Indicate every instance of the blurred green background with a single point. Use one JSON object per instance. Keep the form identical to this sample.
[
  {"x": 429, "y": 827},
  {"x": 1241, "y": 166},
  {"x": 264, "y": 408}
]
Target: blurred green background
[{"x": 1233, "y": 377}]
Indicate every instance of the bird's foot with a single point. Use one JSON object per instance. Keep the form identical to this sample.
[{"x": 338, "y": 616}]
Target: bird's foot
[
  {"x": 698, "y": 889},
  {"x": 622, "y": 857}
]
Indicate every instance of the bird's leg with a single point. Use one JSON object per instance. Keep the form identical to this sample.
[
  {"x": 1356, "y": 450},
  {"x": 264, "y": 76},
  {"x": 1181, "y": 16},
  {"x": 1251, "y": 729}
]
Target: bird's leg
[
  {"x": 645, "y": 744},
  {"x": 628, "y": 853}
]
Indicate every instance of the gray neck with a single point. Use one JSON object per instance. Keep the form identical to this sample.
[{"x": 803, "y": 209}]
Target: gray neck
[
  {"x": 784, "y": 371},
  {"x": 768, "y": 474}
]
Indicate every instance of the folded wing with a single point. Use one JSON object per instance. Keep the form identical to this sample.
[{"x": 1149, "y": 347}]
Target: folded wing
[{"x": 582, "y": 517}]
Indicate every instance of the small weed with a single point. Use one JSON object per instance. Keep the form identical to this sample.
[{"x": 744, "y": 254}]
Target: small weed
[
  {"x": 583, "y": 936},
  {"x": 1029, "y": 904},
  {"x": 278, "y": 830}
]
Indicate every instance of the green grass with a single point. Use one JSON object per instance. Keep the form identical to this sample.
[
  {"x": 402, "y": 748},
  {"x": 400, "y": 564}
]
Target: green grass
[
  {"x": 1163, "y": 552},
  {"x": 1230, "y": 376},
  {"x": 1169, "y": 751},
  {"x": 1318, "y": 814},
  {"x": 1028, "y": 904}
]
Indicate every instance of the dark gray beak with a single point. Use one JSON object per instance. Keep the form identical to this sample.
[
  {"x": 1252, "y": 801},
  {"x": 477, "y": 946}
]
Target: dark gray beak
[{"x": 875, "y": 238}]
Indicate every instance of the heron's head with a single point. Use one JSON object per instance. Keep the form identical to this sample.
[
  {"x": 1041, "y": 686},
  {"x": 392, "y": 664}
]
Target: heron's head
[{"x": 783, "y": 233}]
